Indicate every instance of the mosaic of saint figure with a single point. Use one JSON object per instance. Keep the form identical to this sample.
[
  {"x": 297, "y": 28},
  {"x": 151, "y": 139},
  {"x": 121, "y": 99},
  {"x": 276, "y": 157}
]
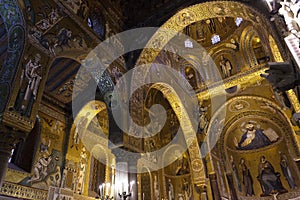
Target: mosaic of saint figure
[
  {"x": 170, "y": 190},
  {"x": 186, "y": 189},
  {"x": 286, "y": 170},
  {"x": 203, "y": 121},
  {"x": 29, "y": 85},
  {"x": 246, "y": 178},
  {"x": 80, "y": 126},
  {"x": 226, "y": 66},
  {"x": 82, "y": 170},
  {"x": 269, "y": 179},
  {"x": 182, "y": 166},
  {"x": 156, "y": 188},
  {"x": 235, "y": 173}
]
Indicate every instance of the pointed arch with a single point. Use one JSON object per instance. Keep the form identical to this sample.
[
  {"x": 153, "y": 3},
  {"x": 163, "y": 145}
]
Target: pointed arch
[
  {"x": 275, "y": 50},
  {"x": 197, "y": 167},
  {"x": 189, "y": 15},
  {"x": 89, "y": 111},
  {"x": 247, "y": 37}
]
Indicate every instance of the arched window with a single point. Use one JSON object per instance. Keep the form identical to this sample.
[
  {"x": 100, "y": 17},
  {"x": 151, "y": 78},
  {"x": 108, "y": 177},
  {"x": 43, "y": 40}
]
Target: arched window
[
  {"x": 96, "y": 21},
  {"x": 259, "y": 51}
]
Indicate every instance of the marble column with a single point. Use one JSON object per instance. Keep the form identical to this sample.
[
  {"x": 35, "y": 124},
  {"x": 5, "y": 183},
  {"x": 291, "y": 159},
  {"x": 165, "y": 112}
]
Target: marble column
[
  {"x": 4, "y": 157},
  {"x": 203, "y": 195},
  {"x": 133, "y": 175},
  {"x": 121, "y": 180},
  {"x": 121, "y": 176},
  {"x": 231, "y": 186},
  {"x": 8, "y": 140},
  {"x": 126, "y": 173},
  {"x": 214, "y": 186}
]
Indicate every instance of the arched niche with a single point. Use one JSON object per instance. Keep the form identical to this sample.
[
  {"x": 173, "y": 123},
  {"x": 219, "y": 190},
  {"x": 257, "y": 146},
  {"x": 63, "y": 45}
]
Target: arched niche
[
  {"x": 189, "y": 66},
  {"x": 227, "y": 62},
  {"x": 166, "y": 132},
  {"x": 87, "y": 135},
  {"x": 194, "y": 76},
  {"x": 100, "y": 170},
  {"x": 188, "y": 134},
  {"x": 271, "y": 136},
  {"x": 96, "y": 21},
  {"x": 82, "y": 123},
  {"x": 253, "y": 47},
  {"x": 177, "y": 176},
  {"x": 259, "y": 51},
  {"x": 190, "y": 75}
]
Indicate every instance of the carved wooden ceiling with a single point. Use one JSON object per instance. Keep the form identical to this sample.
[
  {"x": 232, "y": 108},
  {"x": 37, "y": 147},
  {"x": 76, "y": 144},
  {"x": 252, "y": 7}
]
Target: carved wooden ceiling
[
  {"x": 138, "y": 13},
  {"x": 61, "y": 77}
]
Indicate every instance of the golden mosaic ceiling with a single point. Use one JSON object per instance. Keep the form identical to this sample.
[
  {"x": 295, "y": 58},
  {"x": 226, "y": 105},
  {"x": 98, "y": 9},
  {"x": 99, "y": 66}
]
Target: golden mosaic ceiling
[{"x": 203, "y": 31}]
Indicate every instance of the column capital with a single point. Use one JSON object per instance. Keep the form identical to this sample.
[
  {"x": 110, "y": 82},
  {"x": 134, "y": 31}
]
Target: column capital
[
  {"x": 200, "y": 188},
  {"x": 214, "y": 185}
]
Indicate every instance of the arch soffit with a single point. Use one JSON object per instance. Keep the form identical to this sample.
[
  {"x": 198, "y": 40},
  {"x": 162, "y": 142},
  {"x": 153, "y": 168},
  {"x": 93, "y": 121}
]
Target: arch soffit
[
  {"x": 93, "y": 108},
  {"x": 197, "y": 168},
  {"x": 246, "y": 44},
  {"x": 91, "y": 141},
  {"x": 192, "y": 14},
  {"x": 195, "y": 13}
]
